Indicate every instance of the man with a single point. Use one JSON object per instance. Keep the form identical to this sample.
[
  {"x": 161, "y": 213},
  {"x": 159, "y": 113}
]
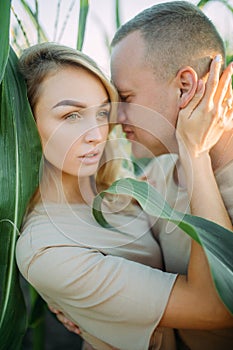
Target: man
[{"x": 157, "y": 59}]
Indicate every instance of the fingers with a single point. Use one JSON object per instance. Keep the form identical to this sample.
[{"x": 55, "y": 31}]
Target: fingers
[
  {"x": 229, "y": 92},
  {"x": 72, "y": 327},
  {"x": 219, "y": 93},
  {"x": 52, "y": 309},
  {"x": 213, "y": 79},
  {"x": 228, "y": 115},
  {"x": 68, "y": 324},
  {"x": 224, "y": 87},
  {"x": 227, "y": 99}
]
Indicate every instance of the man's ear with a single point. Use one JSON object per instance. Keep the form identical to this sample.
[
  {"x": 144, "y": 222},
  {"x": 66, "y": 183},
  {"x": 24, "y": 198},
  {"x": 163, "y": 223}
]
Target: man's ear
[{"x": 187, "y": 81}]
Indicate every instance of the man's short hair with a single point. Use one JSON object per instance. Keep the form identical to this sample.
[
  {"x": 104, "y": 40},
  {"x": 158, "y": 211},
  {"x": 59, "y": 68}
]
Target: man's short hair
[{"x": 176, "y": 34}]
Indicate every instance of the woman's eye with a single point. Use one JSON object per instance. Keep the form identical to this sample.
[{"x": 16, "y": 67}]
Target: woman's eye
[
  {"x": 73, "y": 116},
  {"x": 103, "y": 114}
]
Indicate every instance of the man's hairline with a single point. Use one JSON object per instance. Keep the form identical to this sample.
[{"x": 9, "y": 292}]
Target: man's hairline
[{"x": 147, "y": 60}]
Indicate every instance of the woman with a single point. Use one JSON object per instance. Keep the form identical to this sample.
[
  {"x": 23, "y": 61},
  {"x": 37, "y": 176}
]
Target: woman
[{"x": 98, "y": 278}]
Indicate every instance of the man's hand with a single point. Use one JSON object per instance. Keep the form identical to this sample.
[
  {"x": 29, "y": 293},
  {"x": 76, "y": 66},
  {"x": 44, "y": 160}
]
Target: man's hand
[{"x": 67, "y": 323}]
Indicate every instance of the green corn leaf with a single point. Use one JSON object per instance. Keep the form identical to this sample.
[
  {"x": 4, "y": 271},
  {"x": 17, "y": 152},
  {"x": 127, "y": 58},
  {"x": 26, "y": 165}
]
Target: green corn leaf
[
  {"x": 34, "y": 19},
  {"x": 117, "y": 14},
  {"x": 5, "y": 7},
  {"x": 215, "y": 239},
  {"x": 83, "y": 11},
  {"x": 19, "y": 171},
  {"x": 202, "y": 3}
]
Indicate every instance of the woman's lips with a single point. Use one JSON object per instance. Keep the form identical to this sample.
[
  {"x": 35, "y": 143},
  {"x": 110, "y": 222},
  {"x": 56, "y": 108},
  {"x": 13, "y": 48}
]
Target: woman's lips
[{"x": 90, "y": 157}]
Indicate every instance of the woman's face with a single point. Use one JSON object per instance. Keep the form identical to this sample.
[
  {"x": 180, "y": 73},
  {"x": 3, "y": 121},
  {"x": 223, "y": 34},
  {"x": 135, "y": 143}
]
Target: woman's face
[{"x": 72, "y": 119}]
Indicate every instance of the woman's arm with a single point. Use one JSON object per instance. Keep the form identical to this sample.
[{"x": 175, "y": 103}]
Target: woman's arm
[{"x": 194, "y": 302}]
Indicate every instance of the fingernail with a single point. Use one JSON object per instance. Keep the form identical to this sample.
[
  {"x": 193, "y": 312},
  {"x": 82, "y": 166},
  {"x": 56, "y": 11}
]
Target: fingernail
[{"x": 218, "y": 58}]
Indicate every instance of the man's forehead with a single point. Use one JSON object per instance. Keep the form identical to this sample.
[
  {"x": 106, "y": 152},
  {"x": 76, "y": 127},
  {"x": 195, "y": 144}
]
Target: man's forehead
[
  {"x": 122, "y": 85},
  {"x": 130, "y": 50}
]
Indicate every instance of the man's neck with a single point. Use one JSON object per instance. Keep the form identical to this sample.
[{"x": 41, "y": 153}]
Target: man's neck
[{"x": 221, "y": 154}]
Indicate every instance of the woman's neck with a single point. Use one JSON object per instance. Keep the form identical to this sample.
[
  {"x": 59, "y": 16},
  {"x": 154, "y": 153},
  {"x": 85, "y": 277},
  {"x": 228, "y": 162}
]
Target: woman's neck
[
  {"x": 79, "y": 190},
  {"x": 66, "y": 188}
]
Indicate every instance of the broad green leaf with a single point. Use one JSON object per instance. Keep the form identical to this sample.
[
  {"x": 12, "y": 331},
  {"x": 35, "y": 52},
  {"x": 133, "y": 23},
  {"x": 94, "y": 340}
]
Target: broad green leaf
[
  {"x": 83, "y": 11},
  {"x": 19, "y": 171},
  {"x": 215, "y": 239},
  {"x": 5, "y": 7}
]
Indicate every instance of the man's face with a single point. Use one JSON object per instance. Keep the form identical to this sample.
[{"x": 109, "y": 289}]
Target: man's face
[{"x": 149, "y": 107}]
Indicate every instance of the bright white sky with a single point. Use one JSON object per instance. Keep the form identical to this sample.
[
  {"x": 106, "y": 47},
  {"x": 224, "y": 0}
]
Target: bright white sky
[{"x": 101, "y": 20}]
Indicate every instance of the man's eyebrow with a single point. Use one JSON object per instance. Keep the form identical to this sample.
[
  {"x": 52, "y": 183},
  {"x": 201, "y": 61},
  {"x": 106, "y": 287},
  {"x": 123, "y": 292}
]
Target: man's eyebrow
[{"x": 69, "y": 103}]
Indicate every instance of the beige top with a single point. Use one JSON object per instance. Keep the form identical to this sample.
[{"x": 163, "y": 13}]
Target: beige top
[
  {"x": 176, "y": 244},
  {"x": 97, "y": 277}
]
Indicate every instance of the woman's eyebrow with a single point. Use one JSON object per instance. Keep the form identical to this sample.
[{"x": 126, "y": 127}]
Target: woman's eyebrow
[
  {"x": 77, "y": 103},
  {"x": 105, "y": 101},
  {"x": 69, "y": 103}
]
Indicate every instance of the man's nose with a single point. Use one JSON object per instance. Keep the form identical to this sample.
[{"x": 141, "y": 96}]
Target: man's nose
[{"x": 121, "y": 115}]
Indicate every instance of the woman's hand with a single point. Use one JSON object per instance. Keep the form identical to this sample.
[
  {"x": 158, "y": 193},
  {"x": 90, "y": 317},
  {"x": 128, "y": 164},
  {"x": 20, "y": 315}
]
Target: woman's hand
[{"x": 202, "y": 122}]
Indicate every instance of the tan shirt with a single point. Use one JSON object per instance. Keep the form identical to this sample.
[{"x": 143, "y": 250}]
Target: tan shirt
[
  {"x": 176, "y": 244},
  {"x": 98, "y": 278}
]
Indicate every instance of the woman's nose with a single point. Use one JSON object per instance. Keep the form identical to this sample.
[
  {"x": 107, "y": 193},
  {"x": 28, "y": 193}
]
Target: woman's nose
[{"x": 94, "y": 134}]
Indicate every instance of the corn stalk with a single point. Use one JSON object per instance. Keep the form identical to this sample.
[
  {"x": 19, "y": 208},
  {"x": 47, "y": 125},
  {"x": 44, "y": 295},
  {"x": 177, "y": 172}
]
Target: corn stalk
[{"x": 19, "y": 163}]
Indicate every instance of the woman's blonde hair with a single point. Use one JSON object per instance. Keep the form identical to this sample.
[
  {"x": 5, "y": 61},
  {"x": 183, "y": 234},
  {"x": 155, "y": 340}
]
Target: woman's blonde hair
[{"x": 37, "y": 63}]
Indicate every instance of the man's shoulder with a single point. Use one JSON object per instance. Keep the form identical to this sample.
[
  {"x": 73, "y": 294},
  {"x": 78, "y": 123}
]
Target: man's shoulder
[{"x": 162, "y": 165}]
